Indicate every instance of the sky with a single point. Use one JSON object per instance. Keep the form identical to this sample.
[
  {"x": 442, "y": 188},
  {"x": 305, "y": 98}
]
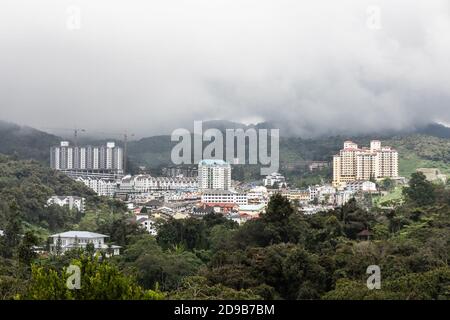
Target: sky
[{"x": 149, "y": 67}]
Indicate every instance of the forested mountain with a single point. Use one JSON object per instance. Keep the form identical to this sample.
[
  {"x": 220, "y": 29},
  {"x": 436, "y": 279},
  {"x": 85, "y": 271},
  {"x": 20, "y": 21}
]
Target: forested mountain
[
  {"x": 427, "y": 146},
  {"x": 25, "y": 142},
  {"x": 26, "y": 185}
]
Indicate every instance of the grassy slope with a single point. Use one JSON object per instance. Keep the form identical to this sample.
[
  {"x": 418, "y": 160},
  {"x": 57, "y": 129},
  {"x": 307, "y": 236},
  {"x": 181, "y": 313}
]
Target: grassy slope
[{"x": 417, "y": 151}]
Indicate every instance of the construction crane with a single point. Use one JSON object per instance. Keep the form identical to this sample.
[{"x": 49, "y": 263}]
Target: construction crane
[
  {"x": 125, "y": 136},
  {"x": 74, "y": 130}
]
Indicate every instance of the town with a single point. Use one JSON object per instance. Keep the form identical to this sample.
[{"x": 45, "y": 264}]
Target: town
[{"x": 358, "y": 173}]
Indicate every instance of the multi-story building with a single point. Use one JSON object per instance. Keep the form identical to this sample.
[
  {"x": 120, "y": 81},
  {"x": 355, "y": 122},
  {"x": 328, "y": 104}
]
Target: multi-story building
[
  {"x": 102, "y": 187},
  {"x": 275, "y": 179},
  {"x": 224, "y": 196},
  {"x": 144, "y": 183},
  {"x": 361, "y": 186},
  {"x": 354, "y": 163},
  {"x": 214, "y": 174},
  {"x": 87, "y": 160}
]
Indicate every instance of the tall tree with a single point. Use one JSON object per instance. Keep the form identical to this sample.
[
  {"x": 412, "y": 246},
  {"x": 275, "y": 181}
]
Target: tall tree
[{"x": 420, "y": 191}]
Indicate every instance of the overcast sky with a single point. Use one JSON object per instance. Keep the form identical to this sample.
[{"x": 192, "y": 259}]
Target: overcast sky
[{"x": 152, "y": 66}]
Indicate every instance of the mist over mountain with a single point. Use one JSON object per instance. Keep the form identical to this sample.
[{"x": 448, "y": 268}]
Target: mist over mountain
[
  {"x": 28, "y": 143},
  {"x": 25, "y": 142}
]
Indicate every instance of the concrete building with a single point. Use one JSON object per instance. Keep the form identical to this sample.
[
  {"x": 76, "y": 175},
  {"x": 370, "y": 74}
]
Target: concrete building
[
  {"x": 148, "y": 223},
  {"x": 275, "y": 179},
  {"x": 253, "y": 210},
  {"x": 354, "y": 163},
  {"x": 79, "y": 239},
  {"x": 83, "y": 159},
  {"x": 144, "y": 183},
  {"x": 214, "y": 174},
  {"x": 102, "y": 187},
  {"x": 72, "y": 202},
  {"x": 224, "y": 196},
  {"x": 361, "y": 186}
]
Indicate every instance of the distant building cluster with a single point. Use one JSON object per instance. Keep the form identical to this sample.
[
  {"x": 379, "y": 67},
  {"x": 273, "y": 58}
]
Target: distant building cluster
[
  {"x": 374, "y": 163},
  {"x": 102, "y": 187},
  {"x": 85, "y": 160},
  {"x": 146, "y": 183}
]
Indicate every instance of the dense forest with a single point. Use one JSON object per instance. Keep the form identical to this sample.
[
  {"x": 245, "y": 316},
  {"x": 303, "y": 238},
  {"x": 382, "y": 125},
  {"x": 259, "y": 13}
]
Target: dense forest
[{"x": 282, "y": 255}]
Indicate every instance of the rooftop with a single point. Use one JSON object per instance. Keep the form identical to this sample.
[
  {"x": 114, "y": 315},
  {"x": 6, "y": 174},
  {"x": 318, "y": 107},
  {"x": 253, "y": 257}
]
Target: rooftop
[
  {"x": 79, "y": 234},
  {"x": 251, "y": 207},
  {"x": 211, "y": 162}
]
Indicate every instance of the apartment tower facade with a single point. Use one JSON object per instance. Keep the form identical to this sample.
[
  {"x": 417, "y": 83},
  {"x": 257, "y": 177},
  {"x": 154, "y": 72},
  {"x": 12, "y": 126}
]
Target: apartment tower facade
[
  {"x": 354, "y": 163},
  {"x": 214, "y": 174},
  {"x": 107, "y": 157}
]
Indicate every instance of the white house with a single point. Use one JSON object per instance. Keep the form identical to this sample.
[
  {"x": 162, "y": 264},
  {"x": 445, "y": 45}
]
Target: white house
[
  {"x": 359, "y": 185},
  {"x": 148, "y": 223},
  {"x": 275, "y": 178},
  {"x": 72, "y": 202},
  {"x": 79, "y": 239}
]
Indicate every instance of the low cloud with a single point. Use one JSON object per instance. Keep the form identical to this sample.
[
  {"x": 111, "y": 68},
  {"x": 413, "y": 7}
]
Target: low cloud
[{"x": 152, "y": 66}]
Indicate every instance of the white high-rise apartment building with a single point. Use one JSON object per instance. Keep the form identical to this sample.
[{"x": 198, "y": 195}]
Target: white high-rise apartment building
[
  {"x": 354, "y": 163},
  {"x": 214, "y": 174},
  {"x": 107, "y": 158}
]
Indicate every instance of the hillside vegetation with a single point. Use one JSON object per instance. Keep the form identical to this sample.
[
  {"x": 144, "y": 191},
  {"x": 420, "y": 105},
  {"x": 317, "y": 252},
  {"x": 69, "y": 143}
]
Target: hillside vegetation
[{"x": 27, "y": 185}]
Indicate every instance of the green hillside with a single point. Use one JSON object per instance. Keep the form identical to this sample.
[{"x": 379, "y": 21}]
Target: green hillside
[
  {"x": 25, "y": 142},
  {"x": 421, "y": 151},
  {"x": 25, "y": 186},
  {"x": 415, "y": 151}
]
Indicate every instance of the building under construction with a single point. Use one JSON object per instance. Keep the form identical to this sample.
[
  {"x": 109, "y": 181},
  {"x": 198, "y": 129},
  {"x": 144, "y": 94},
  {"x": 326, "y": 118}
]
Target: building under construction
[{"x": 105, "y": 161}]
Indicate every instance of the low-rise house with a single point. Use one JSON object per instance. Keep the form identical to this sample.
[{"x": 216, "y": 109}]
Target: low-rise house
[
  {"x": 148, "y": 223},
  {"x": 180, "y": 215},
  {"x": 202, "y": 210},
  {"x": 253, "y": 210},
  {"x": 361, "y": 186},
  {"x": 69, "y": 240},
  {"x": 72, "y": 202},
  {"x": 318, "y": 165}
]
